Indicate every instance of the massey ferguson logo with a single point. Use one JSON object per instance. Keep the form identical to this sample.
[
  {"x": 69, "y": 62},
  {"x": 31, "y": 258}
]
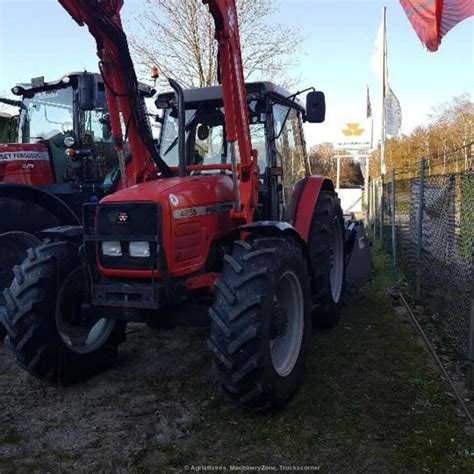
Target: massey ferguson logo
[
  {"x": 122, "y": 217},
  {"x": 24, "y": 156},
  {"x": 353, "y": 130}
]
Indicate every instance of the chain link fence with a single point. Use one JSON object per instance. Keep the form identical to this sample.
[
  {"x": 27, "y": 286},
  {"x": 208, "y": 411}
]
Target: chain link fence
[{"x": 424, "y": 217}]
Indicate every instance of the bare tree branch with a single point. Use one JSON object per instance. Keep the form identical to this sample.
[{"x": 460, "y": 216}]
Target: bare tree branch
[{"x": 178, "y": 37}]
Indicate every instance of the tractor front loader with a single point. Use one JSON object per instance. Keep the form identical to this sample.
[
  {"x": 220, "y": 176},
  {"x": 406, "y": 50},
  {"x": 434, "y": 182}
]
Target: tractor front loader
[{"x": 201, "y": 221}]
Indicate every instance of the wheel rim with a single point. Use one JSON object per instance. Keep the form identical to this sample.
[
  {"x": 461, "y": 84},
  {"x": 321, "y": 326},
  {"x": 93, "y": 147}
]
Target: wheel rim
[
  {"x": 79, "y": 326},
  {"x": 336, "y": 252},
  {"x": 288, "y": 301}
]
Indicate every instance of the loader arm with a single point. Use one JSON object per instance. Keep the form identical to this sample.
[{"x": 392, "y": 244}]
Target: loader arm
[
  {"x": 236, "y": 114},
  {"x": 103, "y": 20},
  {"x": 126, "y": 107}
]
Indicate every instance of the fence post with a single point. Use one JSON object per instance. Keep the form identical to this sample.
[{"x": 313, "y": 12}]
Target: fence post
[
  {"x": 394, "y": 242},
  {"x": 470, "y": 351},
  {"x": 372, "y": 208},
  {"x": 419, "y": 227},
  {"x": 381, "y": 209}
]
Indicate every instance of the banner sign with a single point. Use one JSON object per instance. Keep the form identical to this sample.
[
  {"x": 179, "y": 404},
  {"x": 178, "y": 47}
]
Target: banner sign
[{"x": 354, "y": 135}]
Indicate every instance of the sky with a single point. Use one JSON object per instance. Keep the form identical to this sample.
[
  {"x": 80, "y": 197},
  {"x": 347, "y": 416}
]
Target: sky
[{"x": 38, "y": 38}]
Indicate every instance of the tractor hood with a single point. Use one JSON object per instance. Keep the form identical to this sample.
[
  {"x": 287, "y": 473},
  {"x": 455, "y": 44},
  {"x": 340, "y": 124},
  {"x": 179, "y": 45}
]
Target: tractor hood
[
  {"x": 187, "y": 192},
  {"x": 25, "y": 163}
]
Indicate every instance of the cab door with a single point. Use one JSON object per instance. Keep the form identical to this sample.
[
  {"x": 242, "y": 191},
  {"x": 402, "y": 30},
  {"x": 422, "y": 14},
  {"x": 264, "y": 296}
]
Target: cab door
[{"x": 290, "y": 149}]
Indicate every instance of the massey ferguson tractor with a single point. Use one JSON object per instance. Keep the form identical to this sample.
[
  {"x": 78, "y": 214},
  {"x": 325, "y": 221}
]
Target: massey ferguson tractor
[
  {"x": 62, "y": 158},
  {"x": 201, "y": 221}
]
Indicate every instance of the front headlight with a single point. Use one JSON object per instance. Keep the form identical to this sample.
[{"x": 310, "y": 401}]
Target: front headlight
[
  {"x": 112, "y": 249},
  {"x": 139, "y": 249}
]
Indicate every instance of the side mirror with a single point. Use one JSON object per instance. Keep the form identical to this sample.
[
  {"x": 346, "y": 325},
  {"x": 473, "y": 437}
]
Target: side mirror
[
  {"x": 315, "y": 107},
  {"x": 86, "y": 94}
]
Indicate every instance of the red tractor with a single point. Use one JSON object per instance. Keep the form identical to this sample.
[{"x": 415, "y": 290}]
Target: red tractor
[{"x": 202, "y": 221}]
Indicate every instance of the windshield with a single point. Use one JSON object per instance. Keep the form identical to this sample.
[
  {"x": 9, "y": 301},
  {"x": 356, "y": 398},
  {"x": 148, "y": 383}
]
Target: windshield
[
  {"x": 47, "y": 114},
  {"x": 205, "y": 137}
]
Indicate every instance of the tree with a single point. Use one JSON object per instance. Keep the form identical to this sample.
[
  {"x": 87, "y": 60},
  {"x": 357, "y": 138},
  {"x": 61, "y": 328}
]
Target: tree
[
  {"x": 323, "y": 161},
  {"x": 445, "y": 143},
  {"x": 178, "y": 37}
]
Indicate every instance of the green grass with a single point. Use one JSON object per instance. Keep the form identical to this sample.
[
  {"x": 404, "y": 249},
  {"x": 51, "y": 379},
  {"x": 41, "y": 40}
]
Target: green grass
[{"x": 369, "y": 403}]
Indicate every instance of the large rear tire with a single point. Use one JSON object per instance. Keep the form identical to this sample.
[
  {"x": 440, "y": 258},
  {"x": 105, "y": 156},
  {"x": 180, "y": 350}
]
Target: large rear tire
[
  {"x": 326, "y": 253},
  {"x": 53, "y": 331},
  {"x": 261, "y": 323},
  {"x": 13, "y": 250}
]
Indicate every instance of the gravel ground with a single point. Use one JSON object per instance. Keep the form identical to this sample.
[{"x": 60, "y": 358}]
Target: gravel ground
[{"x": 157, "y": 390}]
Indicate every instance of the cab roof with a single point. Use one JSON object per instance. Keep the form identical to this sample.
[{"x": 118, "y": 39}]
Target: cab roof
[
  {"x": 255, "y": 90},
  {"x": 38, "y": 84}
]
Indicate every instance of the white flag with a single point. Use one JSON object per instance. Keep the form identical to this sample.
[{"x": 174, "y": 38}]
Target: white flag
[
  {"x": 377, "y": 56},
  {"x": 393, "y": 114}
]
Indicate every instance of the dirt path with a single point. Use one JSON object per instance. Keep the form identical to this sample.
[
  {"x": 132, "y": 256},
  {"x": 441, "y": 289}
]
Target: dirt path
[{"x": 369, "y": 404}]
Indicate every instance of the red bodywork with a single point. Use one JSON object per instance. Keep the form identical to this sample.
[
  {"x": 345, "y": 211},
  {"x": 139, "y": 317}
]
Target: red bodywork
[
  {"x": 307, "y": 203},
  {"x": 190, "y": 220},
  {"x": 24, "y": 163},
  {"x": 235, "y": 103}
]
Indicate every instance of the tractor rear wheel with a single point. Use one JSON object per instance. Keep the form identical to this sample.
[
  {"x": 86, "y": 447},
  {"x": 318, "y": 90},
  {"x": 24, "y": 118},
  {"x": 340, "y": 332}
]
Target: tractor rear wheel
[
  {"x": 53, "y": 331},
  {"x": 326, "y": 253},
  {"x": 13, "y": 248},
  {"x": 261, "y": 322}
]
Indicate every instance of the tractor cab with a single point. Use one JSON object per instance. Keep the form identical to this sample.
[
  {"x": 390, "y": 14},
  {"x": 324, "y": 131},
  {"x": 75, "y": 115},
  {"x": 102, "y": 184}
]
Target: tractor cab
[
  {"x": 70, "y": 118},
  {"x": 62, "y": 147},
  {"x": 276, "y": 126}
]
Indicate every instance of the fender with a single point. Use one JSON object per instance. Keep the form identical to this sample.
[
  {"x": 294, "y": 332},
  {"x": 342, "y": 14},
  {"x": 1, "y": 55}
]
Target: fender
[
  {"x": 42, "y": 198},
  {"x": 63, "y": 233},
  {"x": 304, "y": 200},
  {"x": 273, "y": 228}
]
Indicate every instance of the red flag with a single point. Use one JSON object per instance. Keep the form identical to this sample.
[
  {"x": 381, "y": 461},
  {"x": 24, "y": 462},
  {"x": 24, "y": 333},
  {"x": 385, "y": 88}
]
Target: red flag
[{"x": 432, "y": 19}]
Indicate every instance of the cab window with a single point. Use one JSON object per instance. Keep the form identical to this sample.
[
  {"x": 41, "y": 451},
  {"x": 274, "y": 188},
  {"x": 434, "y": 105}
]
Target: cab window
[
  {"x": 289, "y": 146},
  {"x": 209, "y": 145}
]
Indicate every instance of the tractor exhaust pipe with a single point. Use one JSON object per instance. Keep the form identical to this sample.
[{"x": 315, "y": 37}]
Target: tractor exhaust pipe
[{"x": 181, "y": 126}]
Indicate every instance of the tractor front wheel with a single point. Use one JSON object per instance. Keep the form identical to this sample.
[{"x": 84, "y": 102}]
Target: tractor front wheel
[
  {"x": 261, "y": 322},
  {"x": 53, "y": 331}
]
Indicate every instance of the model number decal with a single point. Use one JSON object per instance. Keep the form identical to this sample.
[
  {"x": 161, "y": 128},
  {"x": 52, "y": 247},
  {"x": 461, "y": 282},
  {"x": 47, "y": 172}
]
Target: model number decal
[
  {"x": 202, "y": 211},
  {"x": 24, "y": 156}
]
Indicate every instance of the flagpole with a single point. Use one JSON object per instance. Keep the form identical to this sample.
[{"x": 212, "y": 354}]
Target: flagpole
[
  {"x": 367, "y": 162},
  {"x": 384, "y": 91},
  {"x": 382, "y": 141}
]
